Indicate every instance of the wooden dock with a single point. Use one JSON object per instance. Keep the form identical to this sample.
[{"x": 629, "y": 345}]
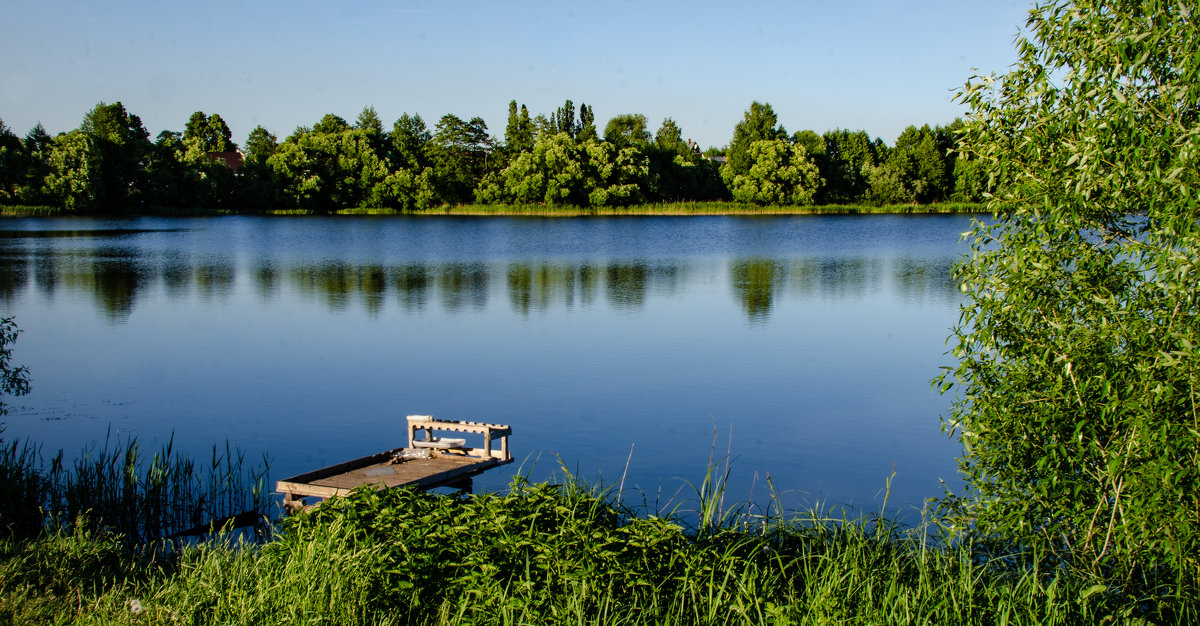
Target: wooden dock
[{"x": 429, "y": 461}]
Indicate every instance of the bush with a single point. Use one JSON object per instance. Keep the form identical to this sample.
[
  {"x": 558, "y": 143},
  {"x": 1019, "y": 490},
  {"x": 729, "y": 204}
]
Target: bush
[{"x": 1079, "y": 350}]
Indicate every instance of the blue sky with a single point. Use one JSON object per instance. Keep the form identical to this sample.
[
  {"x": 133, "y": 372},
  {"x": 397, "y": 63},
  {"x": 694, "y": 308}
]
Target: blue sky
[{"x": 860, "y": 64}]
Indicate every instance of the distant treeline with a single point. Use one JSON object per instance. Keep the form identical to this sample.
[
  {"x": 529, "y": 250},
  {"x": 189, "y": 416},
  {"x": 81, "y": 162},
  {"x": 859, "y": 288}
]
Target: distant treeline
[{"x": 110, "y": 164}]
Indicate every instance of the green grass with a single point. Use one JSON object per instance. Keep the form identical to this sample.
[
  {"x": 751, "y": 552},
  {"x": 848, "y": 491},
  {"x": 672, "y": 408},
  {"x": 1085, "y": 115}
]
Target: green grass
[
  {"x": 32, "y": 211},
  {"x": 695, "y": 208},
  {"x": 117, "y": 490},
  {"x": 555, "y": 552},
  {"x": 560, "y": 553},
  {"x": 669, "y": 208}
]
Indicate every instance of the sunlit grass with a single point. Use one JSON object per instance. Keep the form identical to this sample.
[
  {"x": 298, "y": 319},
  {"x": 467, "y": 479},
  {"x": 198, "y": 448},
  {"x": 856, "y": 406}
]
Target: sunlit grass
[
  {"x": 667, "y": 208},
  {"x": 699, "y": 208},
  {"x": 558, "y": 552}
]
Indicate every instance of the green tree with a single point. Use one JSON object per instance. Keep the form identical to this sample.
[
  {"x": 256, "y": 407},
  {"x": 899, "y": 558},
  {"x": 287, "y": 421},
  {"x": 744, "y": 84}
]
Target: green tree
[
  {"x": 669, "y": 138},
  {"x": 677, "y": 171},
  {"x": 38, "y": 144},
  {"x": 369, "y": 123},
  {"x": 849, "y": 155},
  {"x": 208, "y": 133},
  {"x": 327, "y": 171},
  {"x": 13, "y": 165},
  {"x": 260, "y": 145},
  {"x": 969, "y": 181},
  {"x": 563, "y": 120},
  {"x": 921, "y": 156},
  {"x": 410, "y": 143},
  {"x": 75, "y": 180},
  {"x": 519, "y": 133},
  {"x": 562, "y": 171},
  {"x": 627, "y": 131},
  {"x": 460, "y": 152},
  {"x": 368, "y": 120},
  {"x": 257, "y": 186},
  {"x": 331, "y": 124},
  {"x": 780, "y": 174},
  {"x": 1078, "y": 376},
  {"x": 758, "y": 124},
  {"x": 587, "y": 124},
  {"x": 123, "y": 145},
  {"x": 894, "y": 182}
]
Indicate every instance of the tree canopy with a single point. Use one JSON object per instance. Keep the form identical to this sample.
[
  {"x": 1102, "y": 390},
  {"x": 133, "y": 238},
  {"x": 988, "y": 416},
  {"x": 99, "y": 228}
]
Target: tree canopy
[{"x": 109, "y": 163}]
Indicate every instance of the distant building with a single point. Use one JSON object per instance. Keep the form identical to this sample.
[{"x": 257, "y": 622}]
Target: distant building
[{"x": 233, "y": 159}]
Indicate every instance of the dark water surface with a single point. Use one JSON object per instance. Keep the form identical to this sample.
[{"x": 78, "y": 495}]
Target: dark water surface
[{"x": 806, "y": 343}]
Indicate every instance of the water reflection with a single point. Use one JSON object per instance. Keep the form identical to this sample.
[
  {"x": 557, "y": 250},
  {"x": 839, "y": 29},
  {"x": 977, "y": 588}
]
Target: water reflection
[
  {"x": 463, "y": 285},
  {"x": 116, "y": 277},
  {"x": 755, "y": 282},
  {"x": 538, "y": 286}
]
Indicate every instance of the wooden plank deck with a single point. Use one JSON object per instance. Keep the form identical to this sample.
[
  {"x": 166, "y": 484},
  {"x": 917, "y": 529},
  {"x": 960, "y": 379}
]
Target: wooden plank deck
[{"x": 426, "y": 463}]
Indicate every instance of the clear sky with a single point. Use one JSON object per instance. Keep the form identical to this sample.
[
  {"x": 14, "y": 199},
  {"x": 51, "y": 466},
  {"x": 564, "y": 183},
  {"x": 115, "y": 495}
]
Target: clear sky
[{"x": 874, "y": 65}]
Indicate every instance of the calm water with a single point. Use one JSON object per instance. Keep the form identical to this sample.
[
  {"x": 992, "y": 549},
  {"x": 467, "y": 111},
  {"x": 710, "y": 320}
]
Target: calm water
[{"x": 805, "y": 343}]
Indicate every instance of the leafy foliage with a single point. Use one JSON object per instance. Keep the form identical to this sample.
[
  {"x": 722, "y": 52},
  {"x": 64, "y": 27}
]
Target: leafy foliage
[
  {"x": 560, "y": 170},
  {"x": 759, "y": 123},
  {"x": 109, "y": 165},
  {"x": 208, "y": 133},
  {"x": 1078, "y": 376},
  {"x": 780, "y": 173}
]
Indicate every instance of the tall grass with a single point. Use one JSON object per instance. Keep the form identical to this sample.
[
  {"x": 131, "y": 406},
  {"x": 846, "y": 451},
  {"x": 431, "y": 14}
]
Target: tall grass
[
  {"x": 697, "y": 208},
  {"x": 116, "y": 489},
  {"x": 563, "y": 552},
  {"x": 22, "y": 210}
]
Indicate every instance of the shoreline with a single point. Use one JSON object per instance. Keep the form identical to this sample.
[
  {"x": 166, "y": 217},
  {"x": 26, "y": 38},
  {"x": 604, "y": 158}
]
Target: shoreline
[{"x": 679, "y": 209}]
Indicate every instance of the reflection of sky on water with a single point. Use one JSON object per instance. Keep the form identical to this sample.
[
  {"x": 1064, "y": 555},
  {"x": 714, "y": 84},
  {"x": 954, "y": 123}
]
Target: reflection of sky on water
[{"x": 810, "y": 340}]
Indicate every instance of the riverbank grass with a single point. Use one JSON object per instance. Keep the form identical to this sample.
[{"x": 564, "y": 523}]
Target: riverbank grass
[
  {"x": 558, "y": 552},
  {"x": 541, "y": 210}
]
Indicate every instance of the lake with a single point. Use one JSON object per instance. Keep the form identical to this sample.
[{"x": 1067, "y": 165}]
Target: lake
[{"x": 801, "y": 347}]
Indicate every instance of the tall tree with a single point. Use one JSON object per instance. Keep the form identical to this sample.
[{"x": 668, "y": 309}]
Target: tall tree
[
  {"x": 368, "y": 120},
  {"x": 13, "y": 164},
  {"x": 208, "y": 133},
  {"x": 38, "y": 144},
  {"x": 1078, "y": 377},
  {"x": 460, "y": 156},
  {"x": 123, "y": 145},
  {"x": 587, "y": 124},
  {"x": 519, "y": 133},
  {"x": 563, "y": 120},
  {"x": 331, "y": 123},
  {"x": 758, "y": 124},
  {"x": 257, "y": 186},
  {"x": 627, "y": 130},
  {"x": 849, "y": 157},
  {"x": 260, "y": 145},
  {"x": 410, "y": 143}
]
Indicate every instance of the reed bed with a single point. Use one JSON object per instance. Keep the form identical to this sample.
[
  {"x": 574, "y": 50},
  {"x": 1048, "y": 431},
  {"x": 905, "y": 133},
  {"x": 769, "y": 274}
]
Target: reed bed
[
  {"x": 23, "y": 210},
  {"x": 692, "y": 208},
  {"x": 117, "y": 490},
  {"x": 541, "y": 210}
]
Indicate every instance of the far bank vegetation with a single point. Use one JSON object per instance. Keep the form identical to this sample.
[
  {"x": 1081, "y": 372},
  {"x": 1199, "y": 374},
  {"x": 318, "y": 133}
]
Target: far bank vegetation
[{"x": 552, "y": 164}]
